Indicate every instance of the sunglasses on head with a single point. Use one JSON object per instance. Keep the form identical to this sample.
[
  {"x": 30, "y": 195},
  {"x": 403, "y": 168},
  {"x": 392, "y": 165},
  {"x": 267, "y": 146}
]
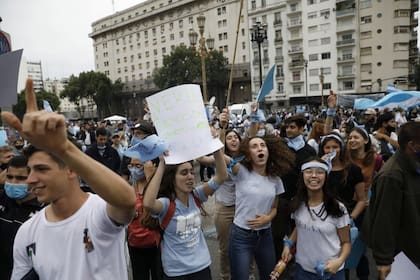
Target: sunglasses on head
[{"x": 17, "y": 177}]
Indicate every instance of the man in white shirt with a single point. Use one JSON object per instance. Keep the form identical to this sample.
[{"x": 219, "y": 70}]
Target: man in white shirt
[{"x": 78, "y": 235}]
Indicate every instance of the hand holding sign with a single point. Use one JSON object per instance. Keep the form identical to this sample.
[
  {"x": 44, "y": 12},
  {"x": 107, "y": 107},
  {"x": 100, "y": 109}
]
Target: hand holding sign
[{"x": 45, "y": 130}]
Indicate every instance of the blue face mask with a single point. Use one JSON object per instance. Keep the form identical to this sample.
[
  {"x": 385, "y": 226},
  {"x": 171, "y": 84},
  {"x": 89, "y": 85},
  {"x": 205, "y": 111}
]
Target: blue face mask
[
  {"x": 16, "y": 191},
  {"x": 101, "y": 147},
  {"x": 136, "y": 173}
]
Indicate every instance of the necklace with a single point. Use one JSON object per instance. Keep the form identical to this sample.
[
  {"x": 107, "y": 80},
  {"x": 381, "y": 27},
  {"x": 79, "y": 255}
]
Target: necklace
[{"x": 321, "y": 214}]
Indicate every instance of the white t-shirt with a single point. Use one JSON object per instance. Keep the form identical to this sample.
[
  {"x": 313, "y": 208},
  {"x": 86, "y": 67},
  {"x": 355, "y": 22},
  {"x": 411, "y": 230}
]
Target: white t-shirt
[
  {"x": 317, "y": 240},
  {"x": 255, "y": 194},
  {"x": 87, "y": 245}
]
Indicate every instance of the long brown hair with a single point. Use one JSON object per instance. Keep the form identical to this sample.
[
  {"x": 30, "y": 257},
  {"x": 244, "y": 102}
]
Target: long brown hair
[{"x": 280, "y": 158}]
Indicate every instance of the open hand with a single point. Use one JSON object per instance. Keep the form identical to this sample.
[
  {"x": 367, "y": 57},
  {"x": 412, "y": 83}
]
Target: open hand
[
  {"x": 45, "y": 130},
  {"x": 259, "y": 221}
]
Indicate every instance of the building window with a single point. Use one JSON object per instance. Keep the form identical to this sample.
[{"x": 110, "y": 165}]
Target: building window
[
  {"x": 347, "y": 85},
  {"x": 326, "y": 55},
  {"x": 365, "y": 19},
  {"x": 312, "y": 29},
  {"x": 313, "y": 87},
  {"x": 367, "y": 67},
  {"x": 325, "y": 13},
  {"x": 313, "y": 43},
  {"x": 313, "y": 57},
  {"x": 401, "y": 47},
  {"x": 312, "y": 15},
  {"x": 366, "y": 34},
  {"x": 325, "y": 41},
  {"x": 366, "y": 51},
  {"x": 326, "y": 86},
  {"x": 401, "y": 13},
  {"x": 326, "y": 70},
  {"x": 400, "y": 63},
  {"x": 296, "y": 76},
  {"x": 313, "y": 72},
  {"x": 401, "y": 29},
  {"x": 297, "y": 89}
]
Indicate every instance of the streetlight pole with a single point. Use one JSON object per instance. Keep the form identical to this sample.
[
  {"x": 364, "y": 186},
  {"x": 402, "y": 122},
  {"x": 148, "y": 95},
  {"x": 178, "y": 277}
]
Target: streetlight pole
[
  {"x": 259, "y": 34},
  {"x": 306, "y": 82},
  {"x": 321, "y": 80},
  {"x": 193, "y": 36}
]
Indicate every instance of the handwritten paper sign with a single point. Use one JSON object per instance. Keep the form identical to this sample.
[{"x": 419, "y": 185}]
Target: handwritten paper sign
[
  {"x": 180, "y": 119},
  {"x": 403, "y": 268}
]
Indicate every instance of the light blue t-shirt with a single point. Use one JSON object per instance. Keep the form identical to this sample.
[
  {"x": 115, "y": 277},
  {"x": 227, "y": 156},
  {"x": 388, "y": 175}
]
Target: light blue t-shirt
[
  {"x": 255, "y": 194},
  {"x": 184, "y": 249}
]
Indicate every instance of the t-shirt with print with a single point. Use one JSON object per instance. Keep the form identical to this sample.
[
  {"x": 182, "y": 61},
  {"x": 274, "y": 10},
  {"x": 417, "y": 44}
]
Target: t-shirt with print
[
  {"x": 184, "y": 249},
  {"x": 255, "y": 195},
  {"x": 317, "y": 239},
  {"x": 87, "y": 245}
]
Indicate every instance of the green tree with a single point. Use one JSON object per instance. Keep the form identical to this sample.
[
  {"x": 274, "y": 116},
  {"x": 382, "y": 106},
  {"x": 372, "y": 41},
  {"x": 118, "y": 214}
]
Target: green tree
[
  {"x": 95, "y": 88},
  {"x": 182, "y": 66},
  {"x": 217, "y": 76},
  {"x": 19, "y": 108}
]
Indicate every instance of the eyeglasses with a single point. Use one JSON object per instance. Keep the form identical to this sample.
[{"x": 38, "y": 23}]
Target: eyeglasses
[
  {"x": 317, "y": 171},
  {"x": 17, "y": 177}
]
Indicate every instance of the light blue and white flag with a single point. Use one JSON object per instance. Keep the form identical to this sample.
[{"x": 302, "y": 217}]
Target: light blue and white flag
[{"x": 267, "y": 86}]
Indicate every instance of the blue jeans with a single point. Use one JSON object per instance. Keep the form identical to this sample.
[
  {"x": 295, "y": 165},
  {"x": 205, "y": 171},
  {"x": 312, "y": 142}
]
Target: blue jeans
[
  {"x": 301, "y": 274},
  {"x": 244, "y": 245}
]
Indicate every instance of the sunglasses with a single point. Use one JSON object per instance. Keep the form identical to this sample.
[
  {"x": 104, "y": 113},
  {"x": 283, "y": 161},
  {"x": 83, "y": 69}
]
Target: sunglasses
[{"x": 17, "y": 177}]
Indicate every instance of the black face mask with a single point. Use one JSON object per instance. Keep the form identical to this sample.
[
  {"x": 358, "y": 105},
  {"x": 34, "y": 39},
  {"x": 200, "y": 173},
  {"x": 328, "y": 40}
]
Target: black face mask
[
  {"x": 390, "y": 129},
  {"x": 19, "y": 147},
  {"x": 4, "y": 166}
]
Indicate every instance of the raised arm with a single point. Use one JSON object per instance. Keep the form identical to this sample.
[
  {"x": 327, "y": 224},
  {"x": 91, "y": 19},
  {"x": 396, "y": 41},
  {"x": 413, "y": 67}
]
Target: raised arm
[
  {"x": 150, "y": 200},
  {"x": 332, "y": 104},
  {"x": 221, "y": 173},
  {"x": 47, "y": 131}
]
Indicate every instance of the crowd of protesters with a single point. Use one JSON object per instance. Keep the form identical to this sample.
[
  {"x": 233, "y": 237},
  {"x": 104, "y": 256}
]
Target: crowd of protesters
[{"x": 288, "y": 186}]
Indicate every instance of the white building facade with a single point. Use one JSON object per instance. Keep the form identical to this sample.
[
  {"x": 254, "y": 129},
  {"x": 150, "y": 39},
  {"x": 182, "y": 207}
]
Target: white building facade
[{"x": 348, "y": 46}]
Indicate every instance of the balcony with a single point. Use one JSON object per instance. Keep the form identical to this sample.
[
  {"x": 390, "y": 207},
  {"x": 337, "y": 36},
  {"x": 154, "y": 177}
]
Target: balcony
[
  {"x": 279, "y": 58},
  {"x": 294, "y": 23},
  {"x": 297, "y": 81},
  {"x": 345, "y": 13},
  {"x": 346, "y": 42},
  {"x": 296, "y": 64},
  {"x": 265, "y": 60},
  {"x": 345, "y": 75},
  {"x": 296, "y": 50},
  {"x": 345, "y": 58},
  {"x": 277, "y": 22}
]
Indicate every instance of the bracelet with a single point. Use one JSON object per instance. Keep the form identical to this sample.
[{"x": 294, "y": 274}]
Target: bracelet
[
  {"x": 215, "y": 186},
  {"x": 331, "y": 112},
  {"x": 289, "y": 243}
]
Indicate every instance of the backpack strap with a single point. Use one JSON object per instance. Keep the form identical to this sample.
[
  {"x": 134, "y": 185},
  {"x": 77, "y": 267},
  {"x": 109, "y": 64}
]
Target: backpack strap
[
  {"x": 169, "y": 214},
  {"x": 171, "y": 211}
]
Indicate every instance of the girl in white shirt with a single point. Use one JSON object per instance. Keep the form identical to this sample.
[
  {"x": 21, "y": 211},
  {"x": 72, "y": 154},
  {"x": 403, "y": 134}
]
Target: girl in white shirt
[{"x": 322, "y": 233}]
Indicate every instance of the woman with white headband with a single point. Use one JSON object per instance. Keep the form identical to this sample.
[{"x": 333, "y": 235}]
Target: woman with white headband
[
  {"x": 345, "y": 180},
  {"x": 322, "y": 234}
]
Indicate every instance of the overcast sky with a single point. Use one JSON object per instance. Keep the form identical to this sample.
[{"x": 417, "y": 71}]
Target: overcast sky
[{"x": 55, "y": 32}]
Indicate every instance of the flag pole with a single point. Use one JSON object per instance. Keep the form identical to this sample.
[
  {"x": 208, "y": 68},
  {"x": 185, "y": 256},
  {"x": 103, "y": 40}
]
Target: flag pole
[{"x": 234, "y": 53}]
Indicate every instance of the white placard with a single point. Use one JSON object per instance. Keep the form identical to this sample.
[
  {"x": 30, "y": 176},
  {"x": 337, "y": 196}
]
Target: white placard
[
  {"x": 403, "y": 268},
  {"x": 180, "y": 119}
]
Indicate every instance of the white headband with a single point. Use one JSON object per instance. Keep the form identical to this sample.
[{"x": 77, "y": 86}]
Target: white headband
[
  {"x": 329, "y": 136},
  {"x": 312, "y": 164}
]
